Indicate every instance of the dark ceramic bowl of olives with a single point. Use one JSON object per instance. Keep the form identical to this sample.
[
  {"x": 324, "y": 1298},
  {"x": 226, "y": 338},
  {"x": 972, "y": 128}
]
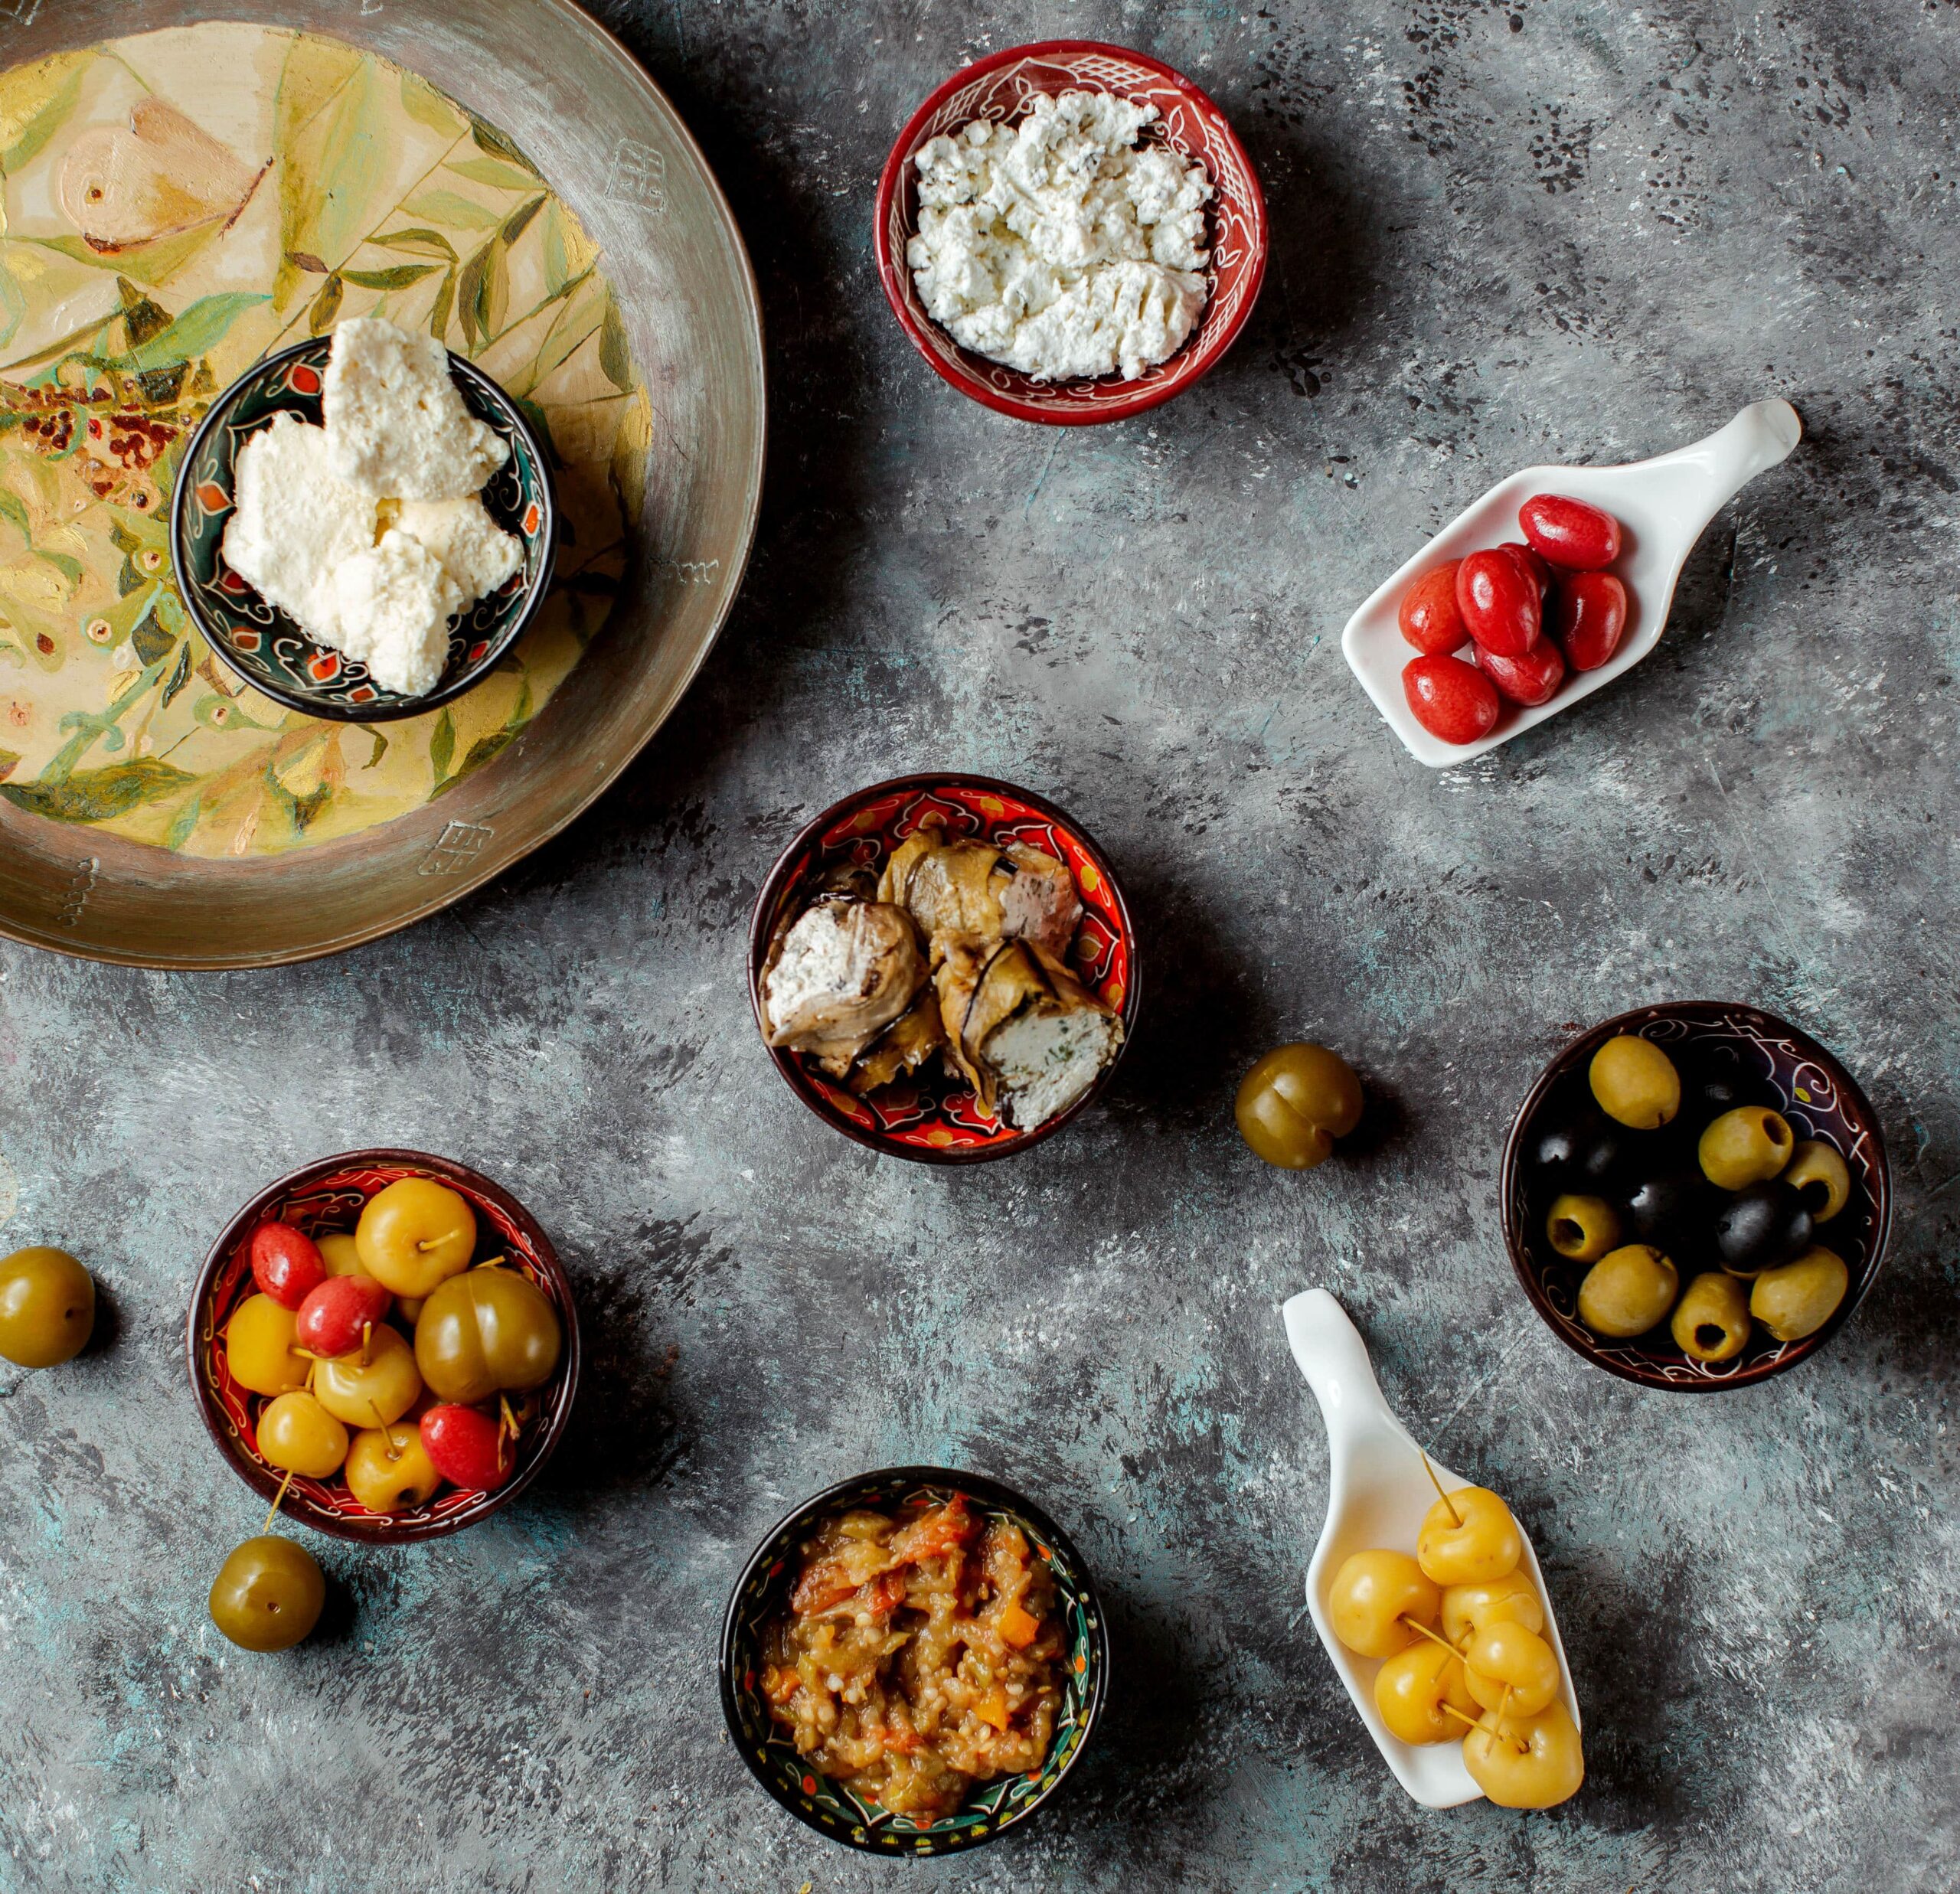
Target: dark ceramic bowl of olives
[
  {"x": 324, "y": 1200},
  {"x": 1695, "y": 1196}
]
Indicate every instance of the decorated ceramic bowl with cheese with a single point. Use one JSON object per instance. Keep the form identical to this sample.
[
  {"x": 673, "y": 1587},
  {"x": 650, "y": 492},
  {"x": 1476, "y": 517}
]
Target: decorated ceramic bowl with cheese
[
  {"x": 365, "y": 526},
  {"x": 943, "y": 968}
]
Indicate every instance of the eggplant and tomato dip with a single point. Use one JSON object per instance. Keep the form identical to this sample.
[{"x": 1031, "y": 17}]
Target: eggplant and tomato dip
[{"x": 918, "y": 1655}]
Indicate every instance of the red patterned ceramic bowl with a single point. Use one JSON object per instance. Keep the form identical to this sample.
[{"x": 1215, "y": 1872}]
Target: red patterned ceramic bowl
[
  {"x": 328, "y": 1195},
  {"x": 999, "y": 88},
  {"x": 935, "y": 1121},
  {"x": 1783, "y": 1065}
]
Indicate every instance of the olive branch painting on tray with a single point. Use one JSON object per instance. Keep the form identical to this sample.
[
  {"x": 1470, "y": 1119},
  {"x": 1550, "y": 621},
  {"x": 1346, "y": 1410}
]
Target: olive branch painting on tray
[{"x": 172, "y": 207}]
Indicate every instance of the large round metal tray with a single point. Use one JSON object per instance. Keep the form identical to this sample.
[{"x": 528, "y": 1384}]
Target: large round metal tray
[{"x": 618, "y": 155}]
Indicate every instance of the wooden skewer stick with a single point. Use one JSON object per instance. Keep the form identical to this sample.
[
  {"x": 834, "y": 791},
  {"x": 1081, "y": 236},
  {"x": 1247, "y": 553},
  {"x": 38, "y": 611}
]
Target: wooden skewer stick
[
  {"x": 272, "y": 1511},
  {"x": 1456, "y": 1518}
]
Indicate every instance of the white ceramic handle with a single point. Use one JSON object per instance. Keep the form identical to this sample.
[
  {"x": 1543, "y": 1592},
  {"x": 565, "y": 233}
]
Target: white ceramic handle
[
  {"x": 1759, "y": 438},
  {"x": 1333, "y": 1357}
]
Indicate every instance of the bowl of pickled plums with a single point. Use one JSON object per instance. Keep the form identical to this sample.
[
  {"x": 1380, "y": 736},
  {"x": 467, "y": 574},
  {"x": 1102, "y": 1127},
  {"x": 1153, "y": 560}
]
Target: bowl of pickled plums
[
  {"x": 914, "y": 1660},
  {"x": 384, "y": 1344},
  {"x": 1695, "y": 1196}
]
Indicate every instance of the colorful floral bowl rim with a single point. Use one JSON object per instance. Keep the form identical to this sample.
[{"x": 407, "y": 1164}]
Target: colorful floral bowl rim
[
  {"x": 789, "y": 868},
  {"x": 995, "y": 1807},
  {"x": 313, "y": 1502},
  {"x": 1239, "y": 247},
  {"x": 1838, "y": 1097},
  {"x": 384, "y": 705}
]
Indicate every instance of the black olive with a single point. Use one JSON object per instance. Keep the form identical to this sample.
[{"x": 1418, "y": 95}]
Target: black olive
[
  {"x": 1610, "y": 1155},
  {"x": 1674, "y": 1211},
  {"x": 1763, "y": 1228},
  {"x": 1553, "y": 1151}
]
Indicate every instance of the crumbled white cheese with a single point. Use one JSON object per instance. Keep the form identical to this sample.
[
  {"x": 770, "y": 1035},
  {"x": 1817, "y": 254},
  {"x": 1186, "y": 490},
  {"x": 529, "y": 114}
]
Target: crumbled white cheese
[
  {"x": 395, "y": 602},
  {"x": 294, "y": 521},
  {"x": 397, "y": 425},
  {"x": 1060, "y": 245},
  {"x": 1045, "y": 1061},
  {"x": 845, "y": 970},
  {"x": 474, "y": 550}
]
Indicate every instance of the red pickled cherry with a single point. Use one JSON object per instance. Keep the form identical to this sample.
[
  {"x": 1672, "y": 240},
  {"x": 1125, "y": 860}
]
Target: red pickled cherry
[
  {"x": 1499, "y": 603},
  {"x": 1530, "y": 679},
  {"x": 1588, "y": 615},
  {"x": 467, "y": 1447},
  {"x": 335, "y": 1312},
  {"x": 1450, "y": 699},
  {"x": 1570, "y": 533},
  {"x": 1429, "y": 617},
  {"x": 1540, "y": 572},
  {"x": 286, "y": 1263}
]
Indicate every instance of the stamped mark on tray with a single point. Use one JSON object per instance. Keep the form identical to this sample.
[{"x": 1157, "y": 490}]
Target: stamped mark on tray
[
  {"x": 456, "y": 849},
  {"x": 637, "y": 174},
  {"x": 694, "y": 572},
  {"x": 79, "y": 888}
]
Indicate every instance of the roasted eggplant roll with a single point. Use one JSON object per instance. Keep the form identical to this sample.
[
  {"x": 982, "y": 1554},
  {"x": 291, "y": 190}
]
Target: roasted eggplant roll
[
  {"x": 1015, "y": 893},
  {"x": 838, "y": 977}
]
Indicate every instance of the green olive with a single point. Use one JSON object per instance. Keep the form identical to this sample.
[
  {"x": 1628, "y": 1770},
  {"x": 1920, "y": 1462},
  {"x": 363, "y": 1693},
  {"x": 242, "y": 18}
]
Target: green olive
[
  {"x": 1820, "y": 1177},
  {"x": 1799, "y": 1298},
  {"x": 1636, "y": 1082},
  {"x": 268, "y": 1595},
  {"x": 1295, "y": 1102},
  {"x": 1711, "y": 1320},
  {"x": 485, "y": 1332},
  {"x": 1628, "y": 1291},
  {"x": 1582, "y": 1228},
  {"x": 1750, "y": 1144},
  {"x": 47, "y": 1307}
]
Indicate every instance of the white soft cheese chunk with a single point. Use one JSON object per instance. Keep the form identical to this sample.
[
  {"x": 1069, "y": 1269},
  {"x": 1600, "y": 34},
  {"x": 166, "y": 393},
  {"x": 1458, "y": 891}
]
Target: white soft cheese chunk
[
  {"x": 476, "y": 552},
  {"x": 395, "y": 422},
  {"x": 1046, "y": 1061},
  {"x": 294, "y": 522},
  {"x": 1060, "y": 246},
  {"x": 395, "y": 604}
]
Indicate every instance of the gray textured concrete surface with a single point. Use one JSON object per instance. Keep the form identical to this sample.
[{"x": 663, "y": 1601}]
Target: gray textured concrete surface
[{"x": 1546, "y": 230}]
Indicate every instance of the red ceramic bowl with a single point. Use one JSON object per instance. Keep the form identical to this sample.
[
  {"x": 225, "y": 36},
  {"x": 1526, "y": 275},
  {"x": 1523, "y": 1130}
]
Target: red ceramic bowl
[
  {"x": 999, "y": 87},
  {"x": 1812, "y": 1090},
  {"x": 328, "y": 1195},
  {"x": 936, "y": 1122}
]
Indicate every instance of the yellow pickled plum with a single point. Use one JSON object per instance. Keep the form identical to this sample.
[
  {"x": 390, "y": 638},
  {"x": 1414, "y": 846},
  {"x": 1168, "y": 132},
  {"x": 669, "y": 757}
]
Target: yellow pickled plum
[
  {"x": 1467, "y": 1609},
  {"x": 341, "y": 1254},
  {"x": 298, "y": 1435},
  {"x": 259, "y": 1347},
  {"x": 373, "y": 1392},
  {"x": 414, "y": 1234},
  {"x": 1371, "y": 1596},
  {"x": 1508, "y": 1667},
  {"x": 388, "y": 1469},
  {"x": 1411, "y": 1689},
  {"x": 1468, "y": 1538},
  {"x": 1525, "y": 1761}
]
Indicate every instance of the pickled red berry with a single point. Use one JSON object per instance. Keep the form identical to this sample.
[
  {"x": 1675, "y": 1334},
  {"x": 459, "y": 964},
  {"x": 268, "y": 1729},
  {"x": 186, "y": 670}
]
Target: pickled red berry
[
  {"x": 1450, "y": 699},
  {"x": 286, "y": 1263},
  {"x": 1429, "y": 617},
  {"x": 467, "y": 1447},
  {"x": 1529, "y": 680},
  {"x": 1569, "y": 533},
  {"x": 336, "y": 1313},
  {"x": 1540, "y": 573},
  {"x": 1588, "y": 617},
  {"x": 1499, "y": 602}
]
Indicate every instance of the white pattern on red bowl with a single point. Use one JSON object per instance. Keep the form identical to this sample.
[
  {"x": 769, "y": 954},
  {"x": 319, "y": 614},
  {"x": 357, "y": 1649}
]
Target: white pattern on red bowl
[{"x": 999, "y": 88}]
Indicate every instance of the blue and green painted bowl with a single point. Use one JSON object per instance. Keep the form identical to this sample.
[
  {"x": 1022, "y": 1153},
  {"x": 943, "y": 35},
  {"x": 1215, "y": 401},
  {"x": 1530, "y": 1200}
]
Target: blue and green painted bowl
[
  {"x": 828, "y": 1806},
  {"x": 260, "y": 642}
]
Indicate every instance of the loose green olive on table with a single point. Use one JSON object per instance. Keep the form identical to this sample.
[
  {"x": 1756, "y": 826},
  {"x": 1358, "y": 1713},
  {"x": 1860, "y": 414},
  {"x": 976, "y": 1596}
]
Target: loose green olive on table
[
  {"x": 1692, "y": 1167},
  {"x": 47, "y": 1307},
  {"x": 1295, "y": 1102}
]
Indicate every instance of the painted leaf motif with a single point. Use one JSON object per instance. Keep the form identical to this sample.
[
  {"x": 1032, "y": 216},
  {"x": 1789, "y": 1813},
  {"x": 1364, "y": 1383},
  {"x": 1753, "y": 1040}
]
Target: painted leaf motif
[
  {"x": 184, "y": 824},
  {"x": 498, "y": 145},
  {"x": 150, "y": 640},
  {"x": 489, "y": 171},
  {"x": 10, "y": 761},
  {"x": 346, "y": 172},
  {"x": 196, "y": 332},
  {"x": 152, "y": 264},
  {"x": 13, "y": 304},
  {"x": 316, "y": 71},
  {"x": 557, "y": 263},
  {"x": 447, "y": 207},
  {"x": 398, "y": 278},
  {"x": 95, "y": 795},
  {"x": 443, "y": 745},
  {"x": 419, "y": 242},
  {"x": 427, "y": 106},
  {"x": 439, "y": 316},
  {"x": 326, "y": 305},
  {"x": 480, "y": 751},
  {"x": 519, "y": 220},
  {"x": 34, "y": 104},
  {"x": 615, "y": 356},
  {"x": 180, "y": 676}
]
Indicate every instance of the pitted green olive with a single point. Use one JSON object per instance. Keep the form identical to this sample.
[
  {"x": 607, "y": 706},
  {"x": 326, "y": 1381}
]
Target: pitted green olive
[
  {"x": 1821, "y": 1178},
  {"x": 1628, "y": 1291},
  {"x": 1296, "y": 1102},
  {"x": 1750, "y": 1144},
  {"x": 1799, "y": 1298},
  {"x": 1582, "y": 1227},
  {"x": 1711, "y": 1320},
  {"x": 1636, "y": 1082}
]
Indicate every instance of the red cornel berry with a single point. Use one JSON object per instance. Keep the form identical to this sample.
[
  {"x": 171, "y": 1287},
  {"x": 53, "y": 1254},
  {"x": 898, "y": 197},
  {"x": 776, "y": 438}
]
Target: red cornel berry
[
  {"x": 1530, "y": 679},
  {"x": 1570, "y": 533},
  {"x": 1499, "y": 600},
  {"x": 1450, "y": 699},
  {"x": 1588, "y": 615},
  {"x": 1428, "y": 616}
]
